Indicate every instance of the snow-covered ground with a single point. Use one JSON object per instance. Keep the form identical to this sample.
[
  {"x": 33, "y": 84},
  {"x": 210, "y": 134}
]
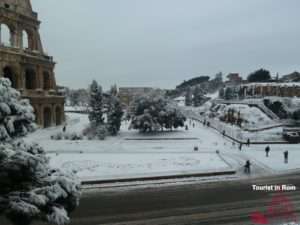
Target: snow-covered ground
[
  {"x": 108, "y": 166},
  {"x": 252, "y": 117},
  {"x": 132, "y": 154}
]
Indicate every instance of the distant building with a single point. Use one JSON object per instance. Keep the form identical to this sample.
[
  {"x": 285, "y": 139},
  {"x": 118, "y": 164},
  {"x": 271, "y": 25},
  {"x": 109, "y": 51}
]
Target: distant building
[
  {"x": 293, "y": 77},
  {"x": 127, "y": 94},
  {"x": 270, "y": 89},
  {"x": 234, "y": 79}
]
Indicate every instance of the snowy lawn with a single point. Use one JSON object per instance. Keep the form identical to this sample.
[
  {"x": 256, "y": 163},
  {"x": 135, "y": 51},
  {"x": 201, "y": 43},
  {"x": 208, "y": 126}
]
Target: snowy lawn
[
  {"x": 106, "y": 166},
  {"x": 125, "y": 156}
]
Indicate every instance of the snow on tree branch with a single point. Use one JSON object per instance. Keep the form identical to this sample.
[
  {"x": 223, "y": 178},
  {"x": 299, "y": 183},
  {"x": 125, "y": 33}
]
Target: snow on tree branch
[
  {"x": 16, "y": 114},
  {"x": 154, "y": 112}
]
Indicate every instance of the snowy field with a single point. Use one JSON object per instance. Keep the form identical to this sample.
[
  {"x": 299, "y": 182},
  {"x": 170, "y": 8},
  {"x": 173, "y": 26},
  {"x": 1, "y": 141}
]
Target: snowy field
[
  {"x": 107, "y": 166},
  {"x": 132, "y": 154}
]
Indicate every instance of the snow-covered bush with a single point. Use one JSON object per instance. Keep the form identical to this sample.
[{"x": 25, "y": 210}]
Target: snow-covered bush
[
  {"x": 16, "y": 114},
  {"x": 31, "y": 190},
  {"x": 57, "y": 136},
  {"x": 93, "y": 132},
  {"x": 101, "y": 132},
  {"x": 67, "y": 136},
  {"x": 153, "y": 112}
]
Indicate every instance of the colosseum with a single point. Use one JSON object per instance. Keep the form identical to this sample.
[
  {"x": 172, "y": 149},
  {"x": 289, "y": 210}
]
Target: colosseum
[{"x": 24, "y": 62}]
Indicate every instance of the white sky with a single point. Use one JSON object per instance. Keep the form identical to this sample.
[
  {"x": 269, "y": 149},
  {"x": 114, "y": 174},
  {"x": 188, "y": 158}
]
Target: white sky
[{"x": 163, "y": 42}]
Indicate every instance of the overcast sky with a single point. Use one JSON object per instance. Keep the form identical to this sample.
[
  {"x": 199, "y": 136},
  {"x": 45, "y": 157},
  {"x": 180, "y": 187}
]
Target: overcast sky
[{"x": 163, "y": 42}]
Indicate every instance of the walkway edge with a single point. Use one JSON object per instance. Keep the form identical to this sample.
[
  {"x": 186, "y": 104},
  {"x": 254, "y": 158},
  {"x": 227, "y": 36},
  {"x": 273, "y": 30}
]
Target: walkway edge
[{"x": 208, "y": 174}]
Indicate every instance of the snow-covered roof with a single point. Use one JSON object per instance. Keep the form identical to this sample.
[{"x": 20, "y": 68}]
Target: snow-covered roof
[{"x": 285, "y": 84}]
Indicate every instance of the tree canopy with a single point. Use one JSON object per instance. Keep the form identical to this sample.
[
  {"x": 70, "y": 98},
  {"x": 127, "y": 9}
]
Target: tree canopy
[{"x": 260, "y": 75}]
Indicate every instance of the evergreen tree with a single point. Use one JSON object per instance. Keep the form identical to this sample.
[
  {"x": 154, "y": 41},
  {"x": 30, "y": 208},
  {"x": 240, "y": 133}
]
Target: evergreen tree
[
  {"x": 229, "y": 93},
  {"x": 113, "y": 90},
  {"x": 188, "y": 97},
  {"x": 16, "y": 114},
  {"x": 198, "y": 96},
  {"x": 114, "y": 115},
  {"x": 153, "y": 112},
  {"x": 260, "y": 75},
  {"x": 29, "y": 188},
  {"x": 96, "y": 106},
  {"x": 222, "y": 93}
]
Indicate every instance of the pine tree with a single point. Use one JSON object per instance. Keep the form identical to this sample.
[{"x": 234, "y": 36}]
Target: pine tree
[
  {"x": 16, "y": 114},
  {"x": 29, "y": 188},
  {"x": 96, "y": 105},
  {"x": 113, "y": 90},
  {"x": 114, "y": 115},
  {"x": 198, "y": 96},
  {"x": 188, "y": 97}
]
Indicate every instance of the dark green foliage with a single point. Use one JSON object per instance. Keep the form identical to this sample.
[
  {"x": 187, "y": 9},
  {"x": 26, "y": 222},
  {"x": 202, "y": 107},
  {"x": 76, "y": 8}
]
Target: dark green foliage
[
  {"x": 96, "y": 104},
  {"x": 114, "y": 115},
  {"x": 260, "y": 75},
  {"x": 153, "y": 113},
  {"x": 188, "y": 97},
  {"x": 193, "y": 82},
  {"x": 277, "y": 108},
  {"x": 199, "y": 97},
  {"x": 229, "y": 93}
]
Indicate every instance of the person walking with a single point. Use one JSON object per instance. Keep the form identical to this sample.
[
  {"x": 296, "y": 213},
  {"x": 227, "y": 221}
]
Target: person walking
[
  {"x": 64, "y": 128},
  {"x": 247, "y": 167},
  {"x": 241, "y": 146},
  {"x": 267, "y": 150},
  {"x": 286, "y": 156},
  {"x": 248, "y": 142}
]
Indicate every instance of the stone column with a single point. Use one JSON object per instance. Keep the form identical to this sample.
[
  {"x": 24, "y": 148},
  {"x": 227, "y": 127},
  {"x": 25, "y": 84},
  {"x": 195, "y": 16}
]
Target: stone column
[{"x": 53, "y": 115}]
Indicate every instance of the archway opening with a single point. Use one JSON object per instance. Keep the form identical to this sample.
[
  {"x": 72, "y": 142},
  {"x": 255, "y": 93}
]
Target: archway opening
[
  {"x": 47, "y": 117},
  {"x": 58, "y": 115},
  {"x": 47, "y": 81},
  {"x": 5, "y": 35},
  {"x": 30, "y": 77},
  {"x": 9, "y": 74},
  {"x": 25, "y": 40}
]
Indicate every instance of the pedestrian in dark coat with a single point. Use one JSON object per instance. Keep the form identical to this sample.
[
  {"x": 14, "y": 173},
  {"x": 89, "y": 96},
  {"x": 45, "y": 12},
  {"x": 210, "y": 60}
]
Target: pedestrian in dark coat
[
  {"x": 248, "y": 142},
  {"x": 241, "y": 146},
  {"x": 286, "y": 156},
  {"x": 247, "y": 167},
  {"x": 267, "y": 150},
  {"x": 64, "y": 128}
]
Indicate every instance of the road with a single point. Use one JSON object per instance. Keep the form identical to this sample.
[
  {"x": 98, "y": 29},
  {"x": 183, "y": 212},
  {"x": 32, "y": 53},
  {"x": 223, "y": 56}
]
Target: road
[{"x": 229, "y": 202}]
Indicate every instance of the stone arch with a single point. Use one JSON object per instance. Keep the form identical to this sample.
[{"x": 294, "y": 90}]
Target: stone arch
[
  {"x": 47, "y": 117},
  {"x": 58, "y": 115},
  {"x": 46, "y": 80},
  {"x": 30, "y": 79},
  {"x": 6, "y": 37},
  {"x": 25, "y": 40},
  {"x": 9, "y": 73}
]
